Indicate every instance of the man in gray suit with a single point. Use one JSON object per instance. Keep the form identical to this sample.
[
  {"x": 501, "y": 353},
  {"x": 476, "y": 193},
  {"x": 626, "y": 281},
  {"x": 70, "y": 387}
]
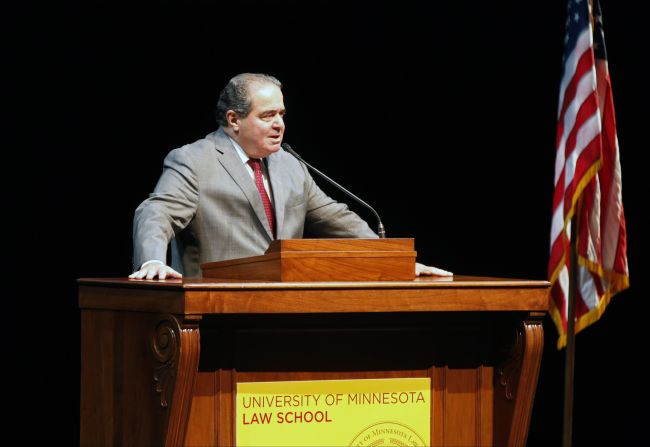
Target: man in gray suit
[{"x": 230, "y": 194}]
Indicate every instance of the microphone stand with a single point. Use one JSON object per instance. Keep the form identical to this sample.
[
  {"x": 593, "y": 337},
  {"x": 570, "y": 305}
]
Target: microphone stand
[{"x": 380, "y": 226}]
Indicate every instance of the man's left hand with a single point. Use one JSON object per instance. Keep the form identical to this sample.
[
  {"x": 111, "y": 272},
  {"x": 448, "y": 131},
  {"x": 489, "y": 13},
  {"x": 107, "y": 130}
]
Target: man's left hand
[{"x": 425, "y": 270}]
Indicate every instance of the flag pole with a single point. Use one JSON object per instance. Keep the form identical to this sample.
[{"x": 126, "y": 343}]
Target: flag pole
[{"x": 569, "y": 362}]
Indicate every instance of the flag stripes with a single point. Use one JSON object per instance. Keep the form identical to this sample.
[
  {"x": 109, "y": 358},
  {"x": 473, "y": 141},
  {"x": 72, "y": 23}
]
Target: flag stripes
[{"x": 587, "y": 178}]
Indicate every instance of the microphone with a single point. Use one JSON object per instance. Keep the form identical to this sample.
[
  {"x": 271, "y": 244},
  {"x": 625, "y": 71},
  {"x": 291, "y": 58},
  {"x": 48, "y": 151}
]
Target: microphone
[{"x": 380, "y": 226}]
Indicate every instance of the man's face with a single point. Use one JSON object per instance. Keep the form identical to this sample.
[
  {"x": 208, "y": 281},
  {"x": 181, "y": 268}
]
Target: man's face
[{"x": 260, "y": 133}]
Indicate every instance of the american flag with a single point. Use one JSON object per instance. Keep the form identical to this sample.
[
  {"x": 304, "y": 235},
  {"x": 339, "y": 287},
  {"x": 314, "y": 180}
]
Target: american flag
[{"x": 587, "y": 177}]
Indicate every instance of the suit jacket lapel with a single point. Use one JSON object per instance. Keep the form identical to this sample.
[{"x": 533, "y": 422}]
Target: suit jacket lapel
[
  {"x": 234, "y": 166},
  {"x": 279, "y": 191}
]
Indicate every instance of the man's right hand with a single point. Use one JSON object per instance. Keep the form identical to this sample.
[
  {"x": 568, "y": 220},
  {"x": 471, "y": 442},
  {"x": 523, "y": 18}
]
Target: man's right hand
[{"x": 153, "y": 270}]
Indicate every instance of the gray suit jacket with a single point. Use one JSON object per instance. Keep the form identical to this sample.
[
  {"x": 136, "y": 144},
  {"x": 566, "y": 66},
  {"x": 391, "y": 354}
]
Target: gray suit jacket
[{"x": 207, "y": 202}]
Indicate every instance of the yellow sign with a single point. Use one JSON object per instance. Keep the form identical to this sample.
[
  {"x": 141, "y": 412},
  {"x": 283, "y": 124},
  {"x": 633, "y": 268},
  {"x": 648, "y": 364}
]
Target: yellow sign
[{"x": 368, "y": 412}]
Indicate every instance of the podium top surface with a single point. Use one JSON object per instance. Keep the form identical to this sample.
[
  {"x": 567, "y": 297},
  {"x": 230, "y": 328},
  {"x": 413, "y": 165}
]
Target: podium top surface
[
  {"x": 210, "y": 296},
  {"x": 457, "y": 281}
]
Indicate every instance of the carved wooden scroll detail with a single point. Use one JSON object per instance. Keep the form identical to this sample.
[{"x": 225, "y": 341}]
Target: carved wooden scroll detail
[
  {"x": 517, "y": 376},
  {"x": 166, "y": 350},
  {"x": 175, "y": 348}
]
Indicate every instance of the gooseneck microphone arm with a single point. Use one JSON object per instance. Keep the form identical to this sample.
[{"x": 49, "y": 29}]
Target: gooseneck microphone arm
[{"x": 380, "y": 227}]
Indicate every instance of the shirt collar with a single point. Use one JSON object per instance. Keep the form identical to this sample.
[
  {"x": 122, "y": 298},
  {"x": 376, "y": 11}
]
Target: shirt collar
[{"x": 240, "y": 151}]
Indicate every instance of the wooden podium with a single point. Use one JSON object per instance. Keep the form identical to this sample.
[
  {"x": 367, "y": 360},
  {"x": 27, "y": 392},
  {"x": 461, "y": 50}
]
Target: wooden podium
[
  {"x": 323, "y": 260},
  {"x": 160, "y": 360}
]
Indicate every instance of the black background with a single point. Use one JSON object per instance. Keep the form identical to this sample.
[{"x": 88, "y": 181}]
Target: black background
[{"x": 439, "y": 114}]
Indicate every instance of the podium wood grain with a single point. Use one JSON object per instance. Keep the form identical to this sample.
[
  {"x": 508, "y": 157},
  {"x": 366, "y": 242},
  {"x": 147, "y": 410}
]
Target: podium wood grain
[
  {"x": 161, "y": 359},
  {"x": 311, "y": 260}
]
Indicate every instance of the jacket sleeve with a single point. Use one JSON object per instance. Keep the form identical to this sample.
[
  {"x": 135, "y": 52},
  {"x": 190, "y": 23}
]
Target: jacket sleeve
[{"x": 167, "y": 210}]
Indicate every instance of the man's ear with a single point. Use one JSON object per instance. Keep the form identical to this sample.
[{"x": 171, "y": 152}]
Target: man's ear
[{"x": 233, "y": 120}]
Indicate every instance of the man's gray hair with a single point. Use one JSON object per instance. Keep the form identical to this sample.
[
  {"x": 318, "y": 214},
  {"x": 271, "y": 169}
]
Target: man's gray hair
[{"x": 235, "y": 95}]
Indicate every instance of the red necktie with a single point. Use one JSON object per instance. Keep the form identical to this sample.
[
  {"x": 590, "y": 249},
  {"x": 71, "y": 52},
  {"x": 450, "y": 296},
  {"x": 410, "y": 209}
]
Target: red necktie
[{"x": 259, "y": 182}]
